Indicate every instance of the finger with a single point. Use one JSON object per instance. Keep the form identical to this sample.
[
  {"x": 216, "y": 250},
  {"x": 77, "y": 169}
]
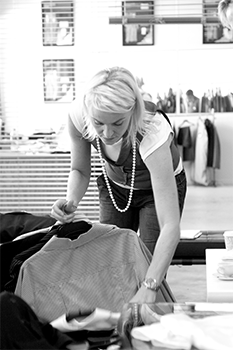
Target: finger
[{"x": 57, "y": 210}]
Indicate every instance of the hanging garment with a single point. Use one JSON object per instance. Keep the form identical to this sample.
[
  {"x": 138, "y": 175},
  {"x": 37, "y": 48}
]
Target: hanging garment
[
  {"x": 102, "y": 268},
  {"x": 184, "y": 139},
  {"x": 184, "y": 136},
  {"x": 230, "y": 97},
  {"x": 213, "y": 159},
  {"x": 205, "y": 104},
  {"x": 217, "y": 151},
  {"x": 210, "y": 132},
  {"x": 227, "y": 103},
  {"x": 200, "y": 175}
]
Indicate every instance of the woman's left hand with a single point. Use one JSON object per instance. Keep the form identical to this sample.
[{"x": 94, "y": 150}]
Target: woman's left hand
[
  {"x": 133, "y": 313},
  {"x": 144, "y": 295}
]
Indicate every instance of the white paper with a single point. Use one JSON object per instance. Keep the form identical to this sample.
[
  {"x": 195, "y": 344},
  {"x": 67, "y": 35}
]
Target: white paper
[{"x": 190, "y": 234}]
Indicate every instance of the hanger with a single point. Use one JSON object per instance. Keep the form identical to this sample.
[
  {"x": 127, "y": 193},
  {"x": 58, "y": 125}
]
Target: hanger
[{"x": 186, "y": 121}]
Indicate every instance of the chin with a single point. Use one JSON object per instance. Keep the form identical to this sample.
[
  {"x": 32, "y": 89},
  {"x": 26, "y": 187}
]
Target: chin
[{"x": 109, "y": 141}]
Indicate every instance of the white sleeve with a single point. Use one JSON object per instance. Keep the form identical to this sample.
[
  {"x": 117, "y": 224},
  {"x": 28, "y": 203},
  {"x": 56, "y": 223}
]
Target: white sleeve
[{"x": 157, "y": 133}]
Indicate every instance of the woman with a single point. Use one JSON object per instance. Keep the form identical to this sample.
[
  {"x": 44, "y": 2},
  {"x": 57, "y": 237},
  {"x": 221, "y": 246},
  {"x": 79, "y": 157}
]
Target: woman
[
  {"x": 143, "y": 183},
  {"x": 225, "y": 13}
]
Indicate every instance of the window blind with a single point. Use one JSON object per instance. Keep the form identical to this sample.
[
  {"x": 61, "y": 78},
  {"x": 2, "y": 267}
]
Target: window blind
[
  {"x": 58, "y": 22},
  {"x": 34, "y": 182},
  {"x": 37, "y": 67}
]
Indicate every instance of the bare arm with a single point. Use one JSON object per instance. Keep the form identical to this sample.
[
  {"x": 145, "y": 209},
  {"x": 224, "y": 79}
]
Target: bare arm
[
  {"x": 160, "y": 166},
  {"x": 79, "y": 176},
  {"x": 80, "y": 165}
]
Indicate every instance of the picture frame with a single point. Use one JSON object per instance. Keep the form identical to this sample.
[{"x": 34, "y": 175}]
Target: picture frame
[
  {"x": 213, "y": 31},
  {"x": 134, "y": 34},
  {"x": 59, "y": 80},
  {"x": 57, "y": 23}
]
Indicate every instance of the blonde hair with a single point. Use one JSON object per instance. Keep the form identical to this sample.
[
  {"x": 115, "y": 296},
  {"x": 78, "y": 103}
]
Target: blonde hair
[
  {"x": 225, "y": 13},
  {"x": 113, "y": 90}
]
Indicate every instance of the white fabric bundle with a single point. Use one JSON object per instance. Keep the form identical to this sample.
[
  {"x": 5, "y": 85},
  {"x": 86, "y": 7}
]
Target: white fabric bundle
[{"x": 179, "y": 331}]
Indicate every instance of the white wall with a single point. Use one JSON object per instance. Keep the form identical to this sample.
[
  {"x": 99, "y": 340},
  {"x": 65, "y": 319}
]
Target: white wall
[{"x": 178, "y": 59}]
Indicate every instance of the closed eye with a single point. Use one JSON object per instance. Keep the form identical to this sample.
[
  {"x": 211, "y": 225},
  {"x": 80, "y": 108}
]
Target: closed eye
[
  {"x": 97, "y": 122},
  {"x": 118, "y": 123}
]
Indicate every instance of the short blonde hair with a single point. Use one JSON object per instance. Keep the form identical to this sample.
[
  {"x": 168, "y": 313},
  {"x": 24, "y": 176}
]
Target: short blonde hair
[
  {"x": 113, "y": 90},
  {"x": 225, "y": 13}
]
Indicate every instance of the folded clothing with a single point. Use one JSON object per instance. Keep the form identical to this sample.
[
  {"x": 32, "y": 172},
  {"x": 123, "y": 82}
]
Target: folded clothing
[
  {"x": 99, "y": 319},
  {"x": 179, "y": 331}
]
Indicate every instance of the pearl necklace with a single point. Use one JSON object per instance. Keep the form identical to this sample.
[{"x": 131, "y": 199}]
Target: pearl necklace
[{"x": 107, "y": 181}]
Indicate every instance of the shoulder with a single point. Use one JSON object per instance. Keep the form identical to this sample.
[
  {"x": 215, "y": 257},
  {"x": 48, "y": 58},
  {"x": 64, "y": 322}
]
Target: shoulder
[
  {"x": 155, "y": 123},
  {"x": 157, "y": 132}
]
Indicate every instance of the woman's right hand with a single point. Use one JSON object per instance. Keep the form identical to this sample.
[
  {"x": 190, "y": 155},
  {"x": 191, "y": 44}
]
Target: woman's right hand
[{"x": 63, "y": 211}]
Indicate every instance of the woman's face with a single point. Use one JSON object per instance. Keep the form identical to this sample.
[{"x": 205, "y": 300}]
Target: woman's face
[{"x": 110, "y": 126}]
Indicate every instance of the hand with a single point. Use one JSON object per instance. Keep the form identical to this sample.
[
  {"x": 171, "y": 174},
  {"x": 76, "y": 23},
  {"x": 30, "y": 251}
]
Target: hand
[
  {"x": 63, "y": 211},
  {"x": 142, "y": 299},
  {"x": 144, "y": 295}
]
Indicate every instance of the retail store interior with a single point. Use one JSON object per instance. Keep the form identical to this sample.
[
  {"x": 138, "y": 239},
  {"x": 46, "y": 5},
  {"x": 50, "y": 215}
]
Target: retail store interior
[{"x": 177, "y": 49}]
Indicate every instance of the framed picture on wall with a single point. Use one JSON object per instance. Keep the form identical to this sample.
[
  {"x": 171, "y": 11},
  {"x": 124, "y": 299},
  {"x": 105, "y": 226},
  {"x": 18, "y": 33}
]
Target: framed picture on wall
[
  {"x": 213, "y": 31},
  {"x": 58, "y": 23},
  {"x": 58, "y": 80},
  {"x": 135, "y": 34}
]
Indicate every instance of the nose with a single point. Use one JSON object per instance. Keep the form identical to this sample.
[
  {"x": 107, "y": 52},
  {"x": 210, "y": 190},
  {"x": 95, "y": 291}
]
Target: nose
[{"x": 107, "y": 131}]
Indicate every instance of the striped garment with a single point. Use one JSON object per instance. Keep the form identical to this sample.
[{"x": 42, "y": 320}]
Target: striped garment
[{"x": 101, "y": 268}]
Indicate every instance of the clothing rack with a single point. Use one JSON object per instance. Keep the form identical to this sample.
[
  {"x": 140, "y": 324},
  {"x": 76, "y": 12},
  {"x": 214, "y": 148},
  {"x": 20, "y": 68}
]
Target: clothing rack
[{"x": 203, "y": 116}]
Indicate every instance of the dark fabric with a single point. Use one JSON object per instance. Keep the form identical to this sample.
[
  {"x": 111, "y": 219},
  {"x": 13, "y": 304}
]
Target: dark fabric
[
  {"x": 228, "y": 103},
  {"x": 210, "y": 132},
  {"x": 21, "y": 329},
  {"x": 71, "y": 230},
  {"x": 214, "y": 149},
  {"x": 184, "y": 138},
  {"x": 217, "y": 150},
  {"x": 14, "y": 224},
  {"x": 9, "y": 250}
]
